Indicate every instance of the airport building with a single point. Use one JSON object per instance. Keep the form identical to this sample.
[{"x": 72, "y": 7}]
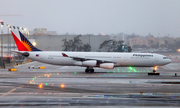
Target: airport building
[
  {"x": 42, "y": 31},
  {"x": 53, "y": 42},
  {"x": 148, "y": 41},
  {"x": 168, "y": 40}
]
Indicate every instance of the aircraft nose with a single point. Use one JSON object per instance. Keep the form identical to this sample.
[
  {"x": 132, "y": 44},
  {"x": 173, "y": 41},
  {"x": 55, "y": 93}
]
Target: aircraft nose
[{"x": 169, "y": 61}]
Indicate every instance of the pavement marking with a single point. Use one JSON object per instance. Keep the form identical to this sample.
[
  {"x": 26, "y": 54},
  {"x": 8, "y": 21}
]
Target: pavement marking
[
  {"x": 77, "y": 101},
  {"x": 168, "y": 102},
  {"x": 25, "y": 64},
  {"x": 19, "y": 100},
  {"x": 12, "y": 90},
  {"x": 171, "y": 67},
  {"x": 48, "y": 100},
  {"x": 107, "y": 101},
  {"x": 137, "y": 100},
  {"x": 167, "y": 94}
]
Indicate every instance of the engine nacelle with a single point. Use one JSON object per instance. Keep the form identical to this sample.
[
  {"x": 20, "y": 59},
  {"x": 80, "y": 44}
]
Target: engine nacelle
[
  {"x": 107, "y": 65},
  {"x": 89, "y": 63}
]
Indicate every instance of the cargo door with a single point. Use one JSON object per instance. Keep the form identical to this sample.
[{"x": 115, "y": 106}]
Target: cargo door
[{"x": 125, "y": 57}]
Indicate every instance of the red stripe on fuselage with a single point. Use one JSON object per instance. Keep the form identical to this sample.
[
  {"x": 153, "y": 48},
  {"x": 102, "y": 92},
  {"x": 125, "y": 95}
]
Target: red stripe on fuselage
[{"x": 19, "y": 44}]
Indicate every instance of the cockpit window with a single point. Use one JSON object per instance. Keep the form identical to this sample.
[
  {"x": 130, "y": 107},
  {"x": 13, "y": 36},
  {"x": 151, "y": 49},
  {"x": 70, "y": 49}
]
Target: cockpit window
[{"x": 165, "y": 57}]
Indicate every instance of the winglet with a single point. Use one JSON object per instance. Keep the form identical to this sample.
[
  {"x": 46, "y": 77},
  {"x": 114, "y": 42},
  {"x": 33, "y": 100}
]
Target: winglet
[{"x": 64, "y": 55}]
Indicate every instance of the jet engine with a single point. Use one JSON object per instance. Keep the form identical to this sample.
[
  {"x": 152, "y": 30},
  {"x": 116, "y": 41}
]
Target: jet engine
[
  {"x": 107, "y": 65},
  {"x": 89, "y": 63}
]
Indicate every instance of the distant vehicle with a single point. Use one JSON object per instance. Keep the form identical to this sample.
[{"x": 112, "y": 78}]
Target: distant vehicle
[
  {"x": 106, "y": 60},
  {"x": 34, "y": 67}
]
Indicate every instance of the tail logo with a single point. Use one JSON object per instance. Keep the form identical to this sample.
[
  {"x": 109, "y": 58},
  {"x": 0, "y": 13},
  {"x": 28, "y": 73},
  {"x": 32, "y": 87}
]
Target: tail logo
[
  {"x": 23, "y": 43},
  {"x": 27, "y": 44}
]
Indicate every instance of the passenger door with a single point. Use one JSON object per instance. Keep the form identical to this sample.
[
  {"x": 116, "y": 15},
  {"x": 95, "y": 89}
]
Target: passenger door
[{"x": 156, "y": 59}]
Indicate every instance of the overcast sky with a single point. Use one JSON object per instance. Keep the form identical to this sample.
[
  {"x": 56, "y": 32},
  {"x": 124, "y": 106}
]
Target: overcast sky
[{"x": 96, "y": 16}]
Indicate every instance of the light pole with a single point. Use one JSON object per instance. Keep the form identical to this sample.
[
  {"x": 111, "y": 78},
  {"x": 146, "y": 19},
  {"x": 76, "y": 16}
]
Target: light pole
[
  {"x": 14, "y": 40},
  {"x": 22, "y": 29},
  {"x": 9, "y": 28},
  {"x": 18, "y": 54},
  {"x": 9, "y": 39},
  {"x": 26, "y": 31},
  {"x": 21, "y": 55},
  {"x": 8, "y": 42},
  {"x": 26, "y": 34},
  {"x": 14, "y": 48},
  {"x": 2, "y": 23}
]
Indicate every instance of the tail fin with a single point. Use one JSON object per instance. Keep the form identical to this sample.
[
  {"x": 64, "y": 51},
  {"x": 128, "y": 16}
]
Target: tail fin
[
  {"x": 27, "y": 44},
  {"x": 23, "y": 43}
]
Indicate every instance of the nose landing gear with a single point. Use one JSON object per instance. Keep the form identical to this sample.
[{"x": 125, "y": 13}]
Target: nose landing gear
[{"x": 154, "y": 72}]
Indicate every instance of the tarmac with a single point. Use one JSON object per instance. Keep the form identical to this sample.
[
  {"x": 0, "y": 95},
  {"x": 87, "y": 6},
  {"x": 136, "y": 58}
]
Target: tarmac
[{"x": 70, "y": 87}]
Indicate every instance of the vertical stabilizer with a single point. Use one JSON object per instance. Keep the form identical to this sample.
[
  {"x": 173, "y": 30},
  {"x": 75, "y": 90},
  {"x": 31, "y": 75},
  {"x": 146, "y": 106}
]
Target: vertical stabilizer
[
  {"x": 22, "y": 42},
  {"x": 27, "y": 44}
]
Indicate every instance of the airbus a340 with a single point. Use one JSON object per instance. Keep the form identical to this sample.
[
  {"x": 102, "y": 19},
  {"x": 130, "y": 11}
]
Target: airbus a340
[{"x": 106, "y": 60}]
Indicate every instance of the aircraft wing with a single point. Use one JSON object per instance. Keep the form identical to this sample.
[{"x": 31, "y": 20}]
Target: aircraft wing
[{"x": 85, "y": 59}]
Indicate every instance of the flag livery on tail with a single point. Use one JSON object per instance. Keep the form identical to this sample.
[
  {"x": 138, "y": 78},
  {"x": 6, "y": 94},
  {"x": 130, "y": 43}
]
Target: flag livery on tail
[{"x": 23, "y": 43}]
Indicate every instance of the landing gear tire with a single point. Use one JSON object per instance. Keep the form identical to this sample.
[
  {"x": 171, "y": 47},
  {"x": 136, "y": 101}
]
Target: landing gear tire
[
  {"x": 89, "y": 70},
  {"x": 92, "y": 70},
  {"x": 86, "y": 70}
]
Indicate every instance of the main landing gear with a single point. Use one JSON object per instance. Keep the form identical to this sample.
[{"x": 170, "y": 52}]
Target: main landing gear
[
  {"x": 154, "y": 72},
  {"x": 89, "y": 69}
]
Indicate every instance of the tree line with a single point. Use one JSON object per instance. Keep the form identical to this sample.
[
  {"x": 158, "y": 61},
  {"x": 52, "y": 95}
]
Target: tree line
[{"x": 76, "y": 44}]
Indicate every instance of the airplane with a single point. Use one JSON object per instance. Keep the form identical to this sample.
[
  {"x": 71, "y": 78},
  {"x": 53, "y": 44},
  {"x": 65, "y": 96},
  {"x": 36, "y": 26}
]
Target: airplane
[{"x": 105, "y": 60}]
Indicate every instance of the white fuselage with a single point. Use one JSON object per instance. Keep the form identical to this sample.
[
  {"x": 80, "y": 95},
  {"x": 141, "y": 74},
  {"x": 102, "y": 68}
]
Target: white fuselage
[{"x": 119, "y": 59}]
